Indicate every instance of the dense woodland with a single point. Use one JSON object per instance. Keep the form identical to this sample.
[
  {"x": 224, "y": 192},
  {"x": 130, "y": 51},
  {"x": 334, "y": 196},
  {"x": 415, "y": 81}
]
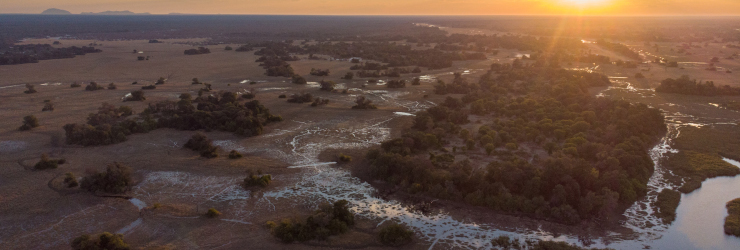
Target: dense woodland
[
  {"x": 684, "y": 85},
  {"x": 33, "y": 53},
  {"x": 619, "y": 48},
  {"x": 553, "y": 150},
  {"x": 223, "y": 112}
]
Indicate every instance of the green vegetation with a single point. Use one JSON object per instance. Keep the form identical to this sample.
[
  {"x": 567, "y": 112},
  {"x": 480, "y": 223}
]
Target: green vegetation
[
  {"x": 732, "y": 222},
  {"x": 116, "y": 179},
  {"x": 234, "y": 155},
  {"x": 319, "y": 102},
  {"x": 619, "y": 48},
  {"x": 30, "y": 89},
  {"x": 344, "y": 158},
  {"x": 699, "y": 167},
  {"x": 684, "y": 85},
  {"x": 136, "y": 95},
  {"x": 301, "y": 98},
  {"x": 75, "y": 85},
  {"x": 225, "y": 113},
  {"x": 319, "y": 72},
  {"x": 71, "y": 180},
  {"x": 104, "y": 241},
  {"x": 700, "y": 154},
  {"x": 29, "y": 122},
  {"x": 48, "y": 106},
  {"x": 591, "y": 153},
  {"x": 212, "y": 213},
  {"x": 200, "y": 143},
  {"x": 395, "y": 235},
  {"x": 93, "y": 86},
  {"x": 667, "y": 203},
  {"x": 257, "y": 180},
  {"x": 328, "y": 220},
  {"x": 364, "y": 103},
  {"x": 46, "y": 163},
  {"x": 298, "y": 80}
]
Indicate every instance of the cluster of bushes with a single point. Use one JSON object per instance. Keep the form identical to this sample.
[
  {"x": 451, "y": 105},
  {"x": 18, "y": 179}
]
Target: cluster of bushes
[
  {"x": 684, "y": 85},
  {"x": 104, "y": 241},
  {"x": 274, "y": 58},
  {"x": 200, "y": 143},
  {"x": 33, "y": 53},
  {"x": 394, "y": 84},
  {"x": 92, "y": 86},
  {"x": 319, "y": 102},
  {"x": 115, "y": 180},
  {"x": 301, "y": 98},
  {"x": 225, "y": 113},
  {"x": 198, "y": 51},
  {"x": 244, "y": 48},
  {"x": 597, "y": 149},
  {"x": 327, "y": 85},
  {"x": 319, "y": 72},
  {"x": 46, "y": 163},
  {"x": 395, "y": 235},
  {"x": 363, "y": 103},
  {"x": 328, "y": 220},
  {"x": 257, "y": 180},
  {"x": 29, "y": 122}
]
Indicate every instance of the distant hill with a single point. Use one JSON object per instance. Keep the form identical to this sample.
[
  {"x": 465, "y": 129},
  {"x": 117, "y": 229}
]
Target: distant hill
[
  {"x": 54, "y": 11},
  {"x": 125, "y": 12}
]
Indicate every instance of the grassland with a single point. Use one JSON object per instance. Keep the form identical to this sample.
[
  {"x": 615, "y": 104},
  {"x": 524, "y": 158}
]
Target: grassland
[{"x": 732, "y": 222}]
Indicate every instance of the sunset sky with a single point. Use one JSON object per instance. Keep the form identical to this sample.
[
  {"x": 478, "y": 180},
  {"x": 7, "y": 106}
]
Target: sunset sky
[{"x": 388, "y": 7}]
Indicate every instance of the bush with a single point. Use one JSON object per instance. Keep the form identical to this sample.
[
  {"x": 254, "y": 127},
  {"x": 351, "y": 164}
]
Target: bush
[
  {"x": 116, "y": 179},
  {"x": 300, "y": 98},
  {"x": 416, "y": 81},
  {"x": 150, "y": 86},
  {"x": 212, "y": 213},
  {"x": 363, "y": 103},
  {"x": 326, "y": 221},
  {"x": 394, "y": 84},
  {"x": 234, "y": 155},
  {"x": 71, "y": 180},
  {"x": 75, "y": 85},
  {"x": 48, "y": 106},
  {"x": 199, "y": 142},
  {"x": 282, "y": 96},
  {"x": 30, "y": 89},
  {"x": 258, "y": 179},
  {"x": 319, "y": 72},
  {"x": 93, "y": 86},
  {"x": 46, "y": 163},
  {"x": 105, "y": 241},
  {"x": 136, "y": 95},
  {"x": 228, "y": 48},
  {"x": 319, "y": 101},
  {"x": 327, "y": 85},
  {"x": 160, "y": 81},
  {"x": 349, "y": 76},
  {"x": 395, "y": 235},
  {"x": 112, "y": 86},
  {"x": 29, "y": 122},
  {"x": 344, "y": 158}
]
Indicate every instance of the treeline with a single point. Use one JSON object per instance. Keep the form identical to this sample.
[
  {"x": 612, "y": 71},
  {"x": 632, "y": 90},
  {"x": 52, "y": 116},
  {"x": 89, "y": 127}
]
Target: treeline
[
  {"x": 684, "y": 85},
  {"x": 274, "y": 58},
  {"x": 198, "y": 51},
  {"x": 619, "y": 48},
  {"x": 33, "y": 53},
  {"x": 559, "y": 153},
  {"x": 223, "y": 112}
]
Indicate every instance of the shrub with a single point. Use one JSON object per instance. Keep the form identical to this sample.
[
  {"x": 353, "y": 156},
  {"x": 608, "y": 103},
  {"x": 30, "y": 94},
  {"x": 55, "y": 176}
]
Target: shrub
[
  {"x": 196, "y": 81},
  {"x": 234, "y": 155},
  {"x": 199, "y": 142},
  {"x": 326, "y": 221},
  {"x": 344, "y": 158},
  {"x": 506, "y": 243},
  {"x": 349, "y": 76},
  {"x": 160, "y": 81},
  {"x": 416, "y": 81},
  {"x": 327, "y": 85},
  {"x": 394, "y": 84},
  {"x": 212, "y": 213},
  {"x": 395, "y": 235},
  {"x": 136, "y": 95},
  {"x": 228, "y": 48},
  {"x": 30, "y": 89},
  {"x": 112, "y": 86},
  {"x": 48, "y": 106},
  {"x": 249, "y": 95},
  {"x": 71, "y": 180},
  {"x": 363, "y": 103},
  {"x": 258, "y": 179},
  {"x": 150, "y": 86},
  {"x": 46, "y": 163},
  {"x": 732, "y": 221},
  {"x": 75, "y": 85},
  {"x": 105, "y": 241},
  {"x": 319, "y": 72},
  {"x": 29, "y": 122},
  {"x": 116, "y": 179},
  {"x": 300, "y": 98},
  {"x": 282, "y": 96},
  {"x": 134, "y": 83},
  {"x": 319, "y": 101},
  {"x": 93, "y": 86}
]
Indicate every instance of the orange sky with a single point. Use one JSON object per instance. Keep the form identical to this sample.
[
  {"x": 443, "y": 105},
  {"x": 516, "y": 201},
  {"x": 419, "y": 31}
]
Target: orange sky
[{"x": 387, "y": 7}]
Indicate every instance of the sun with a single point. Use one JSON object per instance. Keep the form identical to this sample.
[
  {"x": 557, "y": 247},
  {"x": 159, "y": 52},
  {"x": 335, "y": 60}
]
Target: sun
[{"x": 584, "y": 3}]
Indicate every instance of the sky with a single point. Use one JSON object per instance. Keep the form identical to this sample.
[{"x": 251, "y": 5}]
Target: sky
[{"x": 387, "y": 7}]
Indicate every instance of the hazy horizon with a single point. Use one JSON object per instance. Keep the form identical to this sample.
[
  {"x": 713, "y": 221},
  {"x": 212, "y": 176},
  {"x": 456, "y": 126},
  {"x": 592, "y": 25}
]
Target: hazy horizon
[{"x": 388, "y": 7}]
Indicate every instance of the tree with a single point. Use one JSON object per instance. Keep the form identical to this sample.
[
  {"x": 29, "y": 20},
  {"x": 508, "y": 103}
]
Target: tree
[
  {"x": 93, "y": 86},
  {"x": 349, "y": 76},
  {"x": 363, "y": 103},
  {"x": 395, "y": 235},
  {"x": 327, "y": 85},
  {"x": 70, "y": 180},
  {"x": 489, "y": 148},
  {"x": 29, "y": 122},
  {"x": 199, "y": 142},
  {"x": 212, "y": 213},
  {"x": 259, "y": 179},
  {"x": 136, "y": 95},
  {"x": 48, "y": 106},
  {"x": 234, "y": 155},
  {"x": 116, "y": 179},
  {"x": 160, "y": 81},
  {"x": 299, "y": 79}
]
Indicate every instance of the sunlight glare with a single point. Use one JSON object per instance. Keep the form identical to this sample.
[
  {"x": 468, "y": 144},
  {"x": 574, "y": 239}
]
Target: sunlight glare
[{"x": 584, "y": 3}]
